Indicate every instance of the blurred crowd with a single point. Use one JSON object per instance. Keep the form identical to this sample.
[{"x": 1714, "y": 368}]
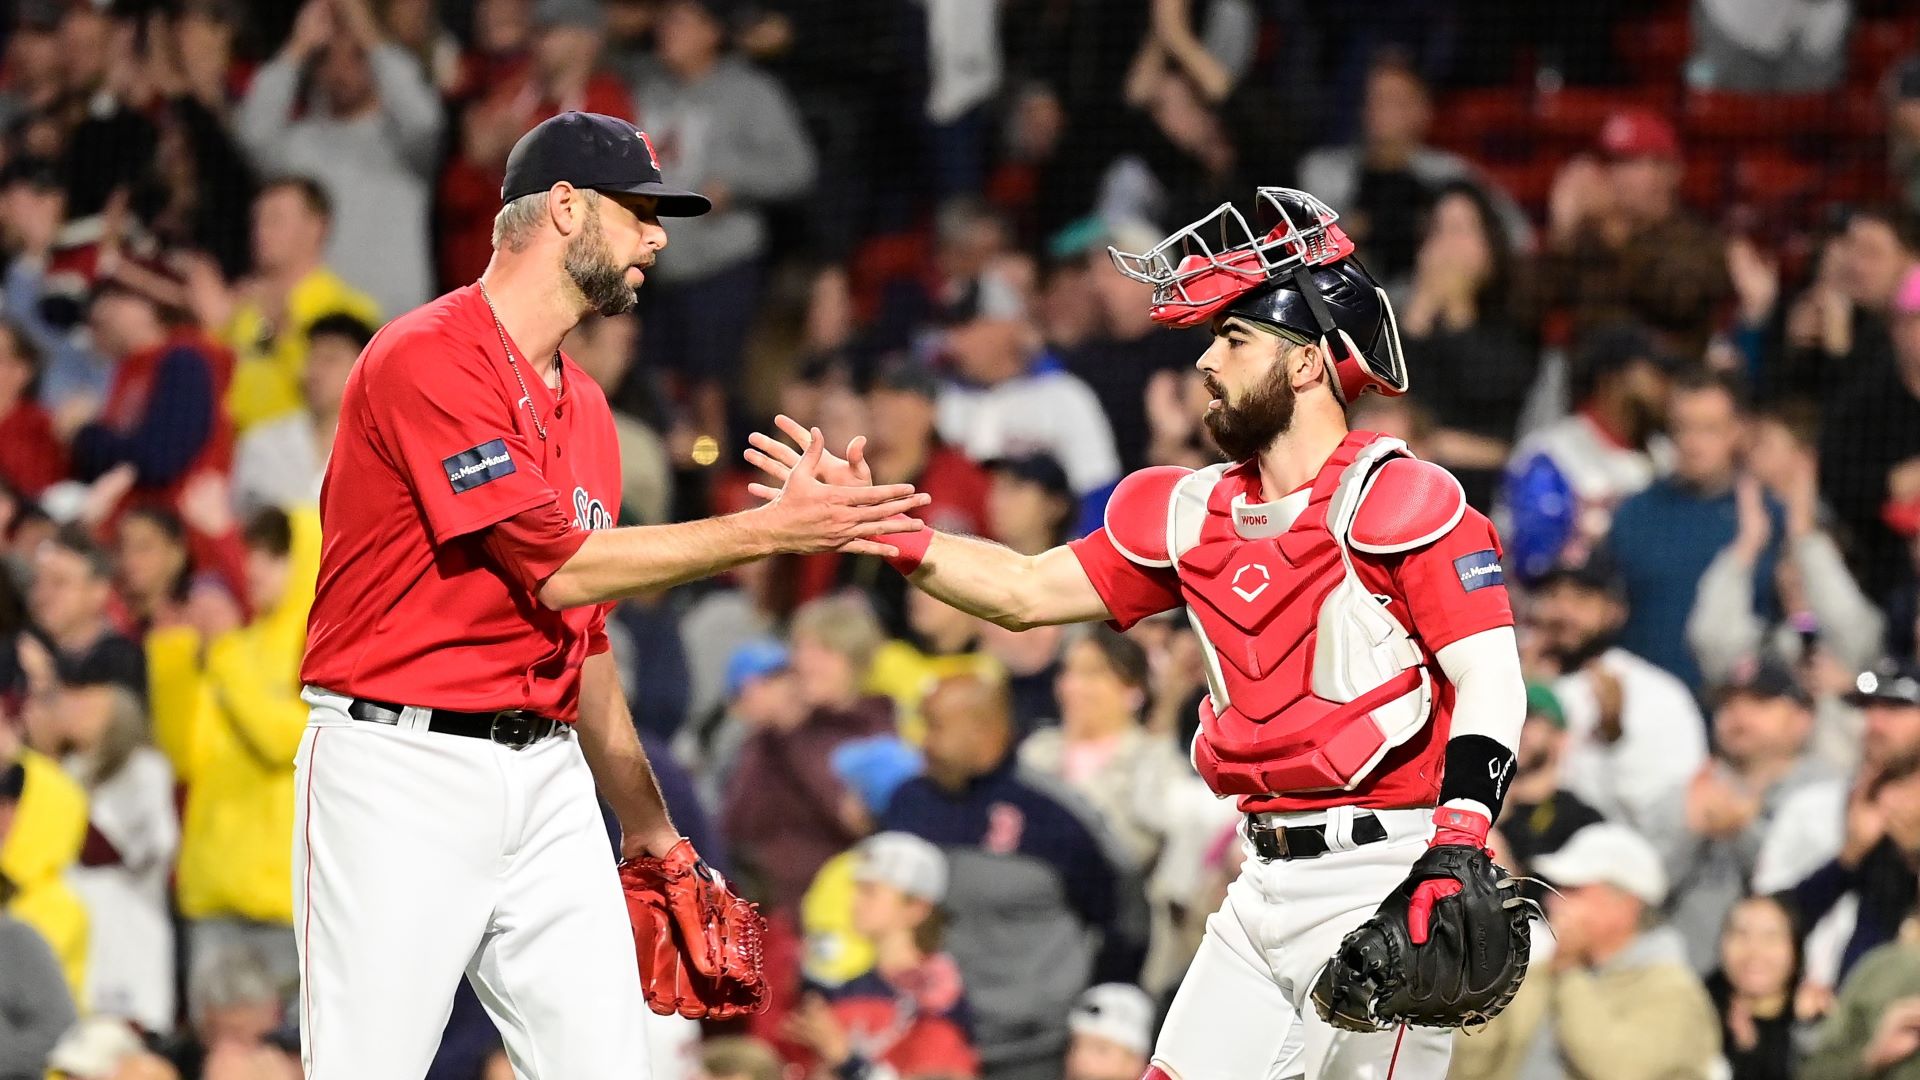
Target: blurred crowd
[{"x": 1657, "y": 269}]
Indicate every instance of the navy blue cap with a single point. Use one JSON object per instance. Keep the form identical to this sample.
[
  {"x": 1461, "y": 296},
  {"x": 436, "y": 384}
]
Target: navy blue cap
[
  {"x": 1892, "y": 681},
  {"x": 598, "y": 153}
]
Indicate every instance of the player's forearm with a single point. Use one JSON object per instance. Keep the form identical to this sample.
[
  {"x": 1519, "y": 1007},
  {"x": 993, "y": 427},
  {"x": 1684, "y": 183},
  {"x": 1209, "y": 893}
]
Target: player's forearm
[
  {"x": 1490, "y": 705},
  {"x": 1004, "y": 587},
  {"x": 616, "y": 563},
  {"x": 619, "y": 764}
]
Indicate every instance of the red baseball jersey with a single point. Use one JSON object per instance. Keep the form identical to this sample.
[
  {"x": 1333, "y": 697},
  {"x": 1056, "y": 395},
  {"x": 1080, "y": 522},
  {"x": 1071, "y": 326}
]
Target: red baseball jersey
[{"x": 436, "y": 444}]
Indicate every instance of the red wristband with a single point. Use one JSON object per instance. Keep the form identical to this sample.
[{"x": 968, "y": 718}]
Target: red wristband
[
  {"x": 911, "y": 545},
  {"x": 1464, "y": 827}
]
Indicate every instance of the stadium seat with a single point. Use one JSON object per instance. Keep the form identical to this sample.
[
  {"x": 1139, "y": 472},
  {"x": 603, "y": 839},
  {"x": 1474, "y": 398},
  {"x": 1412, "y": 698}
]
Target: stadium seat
[
  {"x": 1717, "y": 115},
  {"x": 1656, "y": 49},
  {"x": 1878, "y": 44},
  {"x": 1479, "y": 123},
  {"x": 1573, "y": 115},
  {"x": 1529, "y": 181},
  {"x": 1771, "y": 176}
]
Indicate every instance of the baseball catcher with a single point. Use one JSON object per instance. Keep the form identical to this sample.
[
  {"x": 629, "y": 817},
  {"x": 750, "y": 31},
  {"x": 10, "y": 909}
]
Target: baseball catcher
[{"x": 1364, "y": 687}]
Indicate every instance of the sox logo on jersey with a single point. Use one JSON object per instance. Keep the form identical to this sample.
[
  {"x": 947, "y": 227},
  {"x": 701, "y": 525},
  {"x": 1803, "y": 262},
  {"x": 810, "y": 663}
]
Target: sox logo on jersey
[{"x": 589, "y": 512}]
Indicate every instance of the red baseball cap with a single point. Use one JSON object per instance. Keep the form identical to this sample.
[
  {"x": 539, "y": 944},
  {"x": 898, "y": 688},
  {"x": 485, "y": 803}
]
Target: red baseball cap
[{"x": 1638, "y": 133}]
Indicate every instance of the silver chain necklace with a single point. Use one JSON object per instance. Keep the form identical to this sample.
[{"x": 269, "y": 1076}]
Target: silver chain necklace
[{"x": 559, "y": 369}]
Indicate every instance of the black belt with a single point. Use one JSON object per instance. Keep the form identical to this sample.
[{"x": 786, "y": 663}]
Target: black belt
[
  {"x": 515, "y": 729},
  {"x": 1277, "y": 842}
]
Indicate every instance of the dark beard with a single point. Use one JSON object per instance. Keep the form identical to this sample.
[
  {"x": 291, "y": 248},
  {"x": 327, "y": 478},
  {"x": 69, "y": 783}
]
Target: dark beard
[
  {"x": 1580, "y": 655},
  {"x": 1242, "y": 431},
  {"x": 601, "y": 280}
]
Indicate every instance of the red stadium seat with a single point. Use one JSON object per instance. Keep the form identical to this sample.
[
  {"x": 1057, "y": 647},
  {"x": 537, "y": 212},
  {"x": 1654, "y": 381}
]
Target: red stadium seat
[
  {"x": 1771, "y": 176},
  {"x": 1876, "y": 45},
  {"x": 1703, "y": 185},
  {"x": 1574, "y": 115},
  {"x": 1656, "y": 49},
  {"x": 1471, "y": 120},
  {"x": 1529, "y": 182},
  {"x": 1710, "y": 114}
]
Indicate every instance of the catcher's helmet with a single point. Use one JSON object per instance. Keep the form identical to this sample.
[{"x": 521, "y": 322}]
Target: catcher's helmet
[{"x": 1297, "y": 272}]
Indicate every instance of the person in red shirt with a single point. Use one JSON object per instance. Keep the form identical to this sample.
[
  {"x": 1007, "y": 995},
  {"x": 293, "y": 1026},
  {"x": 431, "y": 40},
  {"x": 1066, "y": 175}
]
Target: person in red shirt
[
  {"x": 464, "y": 702},
  {"x": 1365, "y": 693},
  {"x": 30, "y": 456},
  {"x": 504, "y": 98}
]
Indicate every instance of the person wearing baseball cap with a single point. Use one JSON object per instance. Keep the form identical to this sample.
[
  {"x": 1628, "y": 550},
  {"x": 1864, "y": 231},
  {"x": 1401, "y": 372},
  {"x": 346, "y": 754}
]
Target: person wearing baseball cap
[
  {"x": 906, "y": 1013},
  {"x": 1763, "y": 722},
  {"x": 1112, "y": 1026},
  {"x": 1030, "y": 506},
  {"x": 1620, "y": 243},
  {"x": 1657, "y": 1019},
  {"x": 471, "y": 557},
  {"x": 1540, "y": 815},
  {"x": 1888, "y": 697}
]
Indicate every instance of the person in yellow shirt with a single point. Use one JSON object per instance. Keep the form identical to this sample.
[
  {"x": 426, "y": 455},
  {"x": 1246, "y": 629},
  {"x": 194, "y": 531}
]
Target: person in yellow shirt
[
  {"x": 265, "y": 320},
  {"x": 945, "y": 641},
  {"x": 43, "y": 824},
  {"x": 230, "y": 714}
]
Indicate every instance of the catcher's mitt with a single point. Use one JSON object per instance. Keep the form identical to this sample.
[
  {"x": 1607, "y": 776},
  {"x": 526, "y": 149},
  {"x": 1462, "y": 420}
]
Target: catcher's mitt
[
  {"x": 1447, "y": 949},
  {"x": 699, "y": 945}
]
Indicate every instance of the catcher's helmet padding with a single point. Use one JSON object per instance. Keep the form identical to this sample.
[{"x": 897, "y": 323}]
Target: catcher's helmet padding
[{"x": 1298, "y": 271}]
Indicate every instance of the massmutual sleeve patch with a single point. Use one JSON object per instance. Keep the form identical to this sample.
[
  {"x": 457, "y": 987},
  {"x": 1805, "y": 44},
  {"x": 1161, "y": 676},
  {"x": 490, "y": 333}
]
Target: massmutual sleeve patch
[
  {"x": 468, "y": 469},
  {"x": 1479, "y": 570}
]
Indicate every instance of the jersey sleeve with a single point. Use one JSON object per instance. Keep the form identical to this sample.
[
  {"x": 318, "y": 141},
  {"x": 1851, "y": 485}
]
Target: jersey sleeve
[
  {"x": 1455, "y": 587},
  {"x": 447, "y": 423},
  {"x": 1131, "y": 592}
]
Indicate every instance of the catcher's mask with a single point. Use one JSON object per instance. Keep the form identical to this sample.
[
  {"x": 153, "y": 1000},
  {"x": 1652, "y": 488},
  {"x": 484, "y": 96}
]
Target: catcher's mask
[{"x": 1297, "y": 271}]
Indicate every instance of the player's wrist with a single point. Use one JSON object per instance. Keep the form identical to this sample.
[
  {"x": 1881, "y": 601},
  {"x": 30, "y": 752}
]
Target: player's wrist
[
  {"x": 912, "y": 548},
  {"x": 1460, "y": 825}
]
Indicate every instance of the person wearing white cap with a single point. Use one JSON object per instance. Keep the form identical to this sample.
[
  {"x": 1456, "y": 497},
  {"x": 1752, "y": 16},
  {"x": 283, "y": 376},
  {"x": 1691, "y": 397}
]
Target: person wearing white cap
[
  {"x": 905, "y": 1017},
  {"x": 1112, "y": 1027},
  {"x": 1617, "y": 998}
]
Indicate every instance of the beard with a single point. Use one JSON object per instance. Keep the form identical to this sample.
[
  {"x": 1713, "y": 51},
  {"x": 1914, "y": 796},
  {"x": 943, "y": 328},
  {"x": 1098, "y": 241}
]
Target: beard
[
  {"x": 590, "y": 265},
  {"x": 1579, "y": 654},
  {"x": 1263, "y": 415}
]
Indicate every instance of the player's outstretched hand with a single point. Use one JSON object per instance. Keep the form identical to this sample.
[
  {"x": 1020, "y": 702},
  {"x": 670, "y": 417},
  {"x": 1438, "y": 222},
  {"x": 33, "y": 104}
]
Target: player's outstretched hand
[
  {"x": 809, "y": 513},
  {"x": 777, "y": 459}
]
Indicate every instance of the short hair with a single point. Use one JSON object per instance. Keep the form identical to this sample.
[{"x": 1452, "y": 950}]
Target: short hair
[
  {"x": 844, "y": 623},
  {"x": 739, "y": 1055},
  {"x": 319, "y": 203},
  {"x": 269, "y": 529},
  {"x": 341, "y": 325},
  {"x": 1905, "y": 228},
  {"x": 1696, "y": 379},
  {"x": 1123, "y": 655},
  {"x": 76, "y": 540},
  {"x": 1607, "y": 349},
  {"x": 1799, "y": 416},
  {"x": 28, "y": 350},
  {"x": 230, "y": 976},
  {"x": 516, "y": 220}
]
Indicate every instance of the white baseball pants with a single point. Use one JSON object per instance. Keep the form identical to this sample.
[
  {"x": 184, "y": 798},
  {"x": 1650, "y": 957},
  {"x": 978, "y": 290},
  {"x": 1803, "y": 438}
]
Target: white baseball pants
[
  {"x": 1243, "y": 1011},
  {"x": 420, "y": 856}
]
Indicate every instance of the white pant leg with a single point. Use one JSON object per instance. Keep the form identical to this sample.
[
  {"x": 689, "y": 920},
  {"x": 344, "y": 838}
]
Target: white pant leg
[
  {"x": 557, "y": 969},
  {"x": 1229, "y": 1020},
  {"x": 397, "y": 837},
  {"x": 1313, "y": 904}
]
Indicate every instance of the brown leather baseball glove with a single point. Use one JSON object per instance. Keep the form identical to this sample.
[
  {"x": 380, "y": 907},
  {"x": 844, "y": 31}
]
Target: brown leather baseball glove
[{"x": 699, "y": 945}]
